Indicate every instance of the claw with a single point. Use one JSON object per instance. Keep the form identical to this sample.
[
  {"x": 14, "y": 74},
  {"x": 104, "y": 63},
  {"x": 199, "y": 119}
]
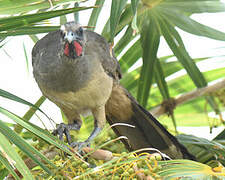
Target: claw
[
  {"x": 80, "y": 145},
  {"x": 64, "y": 129}
]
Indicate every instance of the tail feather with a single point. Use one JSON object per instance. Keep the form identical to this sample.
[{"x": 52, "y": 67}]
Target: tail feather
[{"x": 148, "y": 132}]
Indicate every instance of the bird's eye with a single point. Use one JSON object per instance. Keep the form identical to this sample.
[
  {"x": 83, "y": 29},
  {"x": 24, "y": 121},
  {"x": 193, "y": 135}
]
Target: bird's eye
[
  {"x": 72, "y": 34},
  {"x": 80, "y": 31},
  {"x": 62, "y": 34}
]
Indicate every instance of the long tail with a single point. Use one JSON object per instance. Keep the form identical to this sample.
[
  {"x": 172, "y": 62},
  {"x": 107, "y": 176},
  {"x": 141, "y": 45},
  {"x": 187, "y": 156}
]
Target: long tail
[{"x": 148, "y": 132}]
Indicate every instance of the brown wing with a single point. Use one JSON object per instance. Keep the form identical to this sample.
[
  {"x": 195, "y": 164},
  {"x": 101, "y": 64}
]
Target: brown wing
[
  {"x": 51, "y": 41},
  {"x": 98, "y": 45}
]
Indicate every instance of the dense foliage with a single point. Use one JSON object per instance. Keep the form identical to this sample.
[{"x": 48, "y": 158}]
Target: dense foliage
[{"x": 139, "y": 26}]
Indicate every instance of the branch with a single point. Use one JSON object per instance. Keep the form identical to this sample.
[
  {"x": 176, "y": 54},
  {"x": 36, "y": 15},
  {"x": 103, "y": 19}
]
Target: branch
[{"x": 161, "y": 109}]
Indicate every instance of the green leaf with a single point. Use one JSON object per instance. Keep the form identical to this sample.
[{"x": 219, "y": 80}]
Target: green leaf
[
  {"x": 2, "y": 43},
  {"x": 186, "y": 169},
  {"x": 24, "y": 20},
  {"x": 29, "y": 150},
  {"x": 125, "y": 19},
  {"x": 130, "y": 80},
  {"x": 26, "y": 58},
  {"x": 16, "y": 7},
  {"x": 30, "y": 113},
  {"x": 174, "y": 66},
  {"x": 163, "y": 88},
  {"x": 34, "y": 38},
  {"x": 124, "y": 41},
  {"x": 11, "y": 152},
  {"x": 160, "y": 80},
  {"x": 5, "y": 162},
  {"x": 134, "y": 5},
  {"x": 63, "y": 19},
  {"x": 150, "y": 38},
  {"x": 192, "y": 113},
  {"x": 95, "y": 13},
  {"x": 134, "y": 24},
  {"x": 190, "y": 6},
  {"x": 116, "y": 11},
  {"x": 189, "y": 25},
  {"x": 131, "y": 56},
  {"x": 127, "y": 16},
  {"x": 204, "y": 150},
  {"x": 32, "y": 128},
  {"x": 220, "y": 136},
  {"x": 13, "y": 97},
  {"x": 175, "y": 42}
]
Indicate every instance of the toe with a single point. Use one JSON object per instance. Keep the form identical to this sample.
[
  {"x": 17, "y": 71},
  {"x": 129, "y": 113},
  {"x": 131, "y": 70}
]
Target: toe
[
  {"x": 62, "y": 129},
  {"x": 79, "y": 145}
]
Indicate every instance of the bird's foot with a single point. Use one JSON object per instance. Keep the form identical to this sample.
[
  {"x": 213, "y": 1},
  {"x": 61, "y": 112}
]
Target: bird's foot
[
  {"x": 80, "y": 145},
  {"x": 64, "y": 129}
]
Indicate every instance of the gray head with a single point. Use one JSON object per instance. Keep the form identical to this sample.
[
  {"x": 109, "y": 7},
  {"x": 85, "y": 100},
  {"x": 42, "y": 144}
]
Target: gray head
[{"x": 73, "y": 38}]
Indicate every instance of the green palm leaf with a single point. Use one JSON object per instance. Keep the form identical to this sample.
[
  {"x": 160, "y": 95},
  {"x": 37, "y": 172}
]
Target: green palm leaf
[
  {"x": 16, "y": 7},
  {"x": 151, "y": 20},
  {"x": 18, "y": 21},
  {"x": 150, "y": 43},
  {"x": 11, "y": 152},
  {"x": 188, "y": 169}
]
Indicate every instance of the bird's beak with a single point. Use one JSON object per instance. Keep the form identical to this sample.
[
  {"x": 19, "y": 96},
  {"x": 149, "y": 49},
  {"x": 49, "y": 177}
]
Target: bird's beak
[{"x": 69, "y": 37}]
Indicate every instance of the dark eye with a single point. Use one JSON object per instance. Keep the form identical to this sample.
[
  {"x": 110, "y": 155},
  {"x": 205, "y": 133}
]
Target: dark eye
[
  {"x": 62, "y": 34},
  {"x": 80, "y": 31}
]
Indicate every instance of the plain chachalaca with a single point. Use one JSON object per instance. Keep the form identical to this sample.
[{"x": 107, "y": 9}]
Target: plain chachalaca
[{"x": 76, "y": 70}]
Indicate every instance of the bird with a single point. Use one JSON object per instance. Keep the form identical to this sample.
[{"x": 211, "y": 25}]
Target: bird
[{"x": 76, "y": 69}]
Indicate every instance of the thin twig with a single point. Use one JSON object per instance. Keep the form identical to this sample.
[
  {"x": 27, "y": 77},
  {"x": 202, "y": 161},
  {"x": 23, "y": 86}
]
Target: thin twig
[{"x": 159, "y": 110}]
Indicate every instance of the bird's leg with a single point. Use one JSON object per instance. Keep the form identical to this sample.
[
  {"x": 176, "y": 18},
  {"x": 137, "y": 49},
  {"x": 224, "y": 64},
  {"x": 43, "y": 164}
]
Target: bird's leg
[
  {"x": 65, "y": 129},
  {"x": 100, "y": 119}
]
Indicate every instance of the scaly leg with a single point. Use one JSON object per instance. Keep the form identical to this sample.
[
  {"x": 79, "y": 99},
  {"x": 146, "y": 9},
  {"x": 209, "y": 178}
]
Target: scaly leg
[{"x": 99, "y": 115}]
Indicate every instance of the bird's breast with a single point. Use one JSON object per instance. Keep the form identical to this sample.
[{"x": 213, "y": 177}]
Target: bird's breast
[
  {"x": 63, "y": 74},
  {"x": 81, "y": 87}
]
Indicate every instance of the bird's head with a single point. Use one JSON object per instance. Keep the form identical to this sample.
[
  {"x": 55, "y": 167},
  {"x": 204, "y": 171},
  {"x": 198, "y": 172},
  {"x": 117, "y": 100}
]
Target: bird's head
[{"x": 74, "y": 40}]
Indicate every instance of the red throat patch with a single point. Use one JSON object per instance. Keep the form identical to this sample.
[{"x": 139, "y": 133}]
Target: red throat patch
[
  {"x": 78, "y": 48},
  {"x": 66, "y": 49}
]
